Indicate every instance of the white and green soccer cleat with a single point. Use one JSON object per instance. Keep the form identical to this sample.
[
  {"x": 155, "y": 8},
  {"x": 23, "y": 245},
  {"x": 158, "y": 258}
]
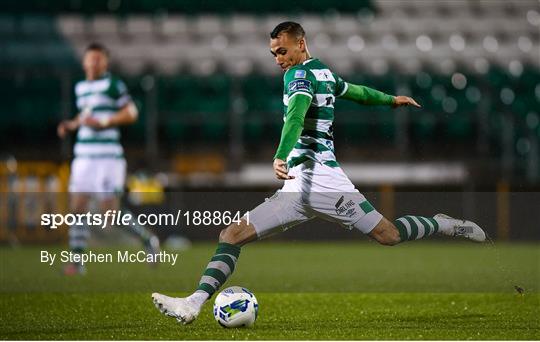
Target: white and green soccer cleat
[
  {"x": 182, "y": 309},
  {"x": 460, "y": 228}
]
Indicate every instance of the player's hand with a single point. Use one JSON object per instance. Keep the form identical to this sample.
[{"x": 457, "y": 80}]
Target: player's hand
[
  {"x": 65, "y": 127},
  {"x": 280, "y": 169},
  {"x": 404, "y": 101},
  {"x": 94, "y": 123}
]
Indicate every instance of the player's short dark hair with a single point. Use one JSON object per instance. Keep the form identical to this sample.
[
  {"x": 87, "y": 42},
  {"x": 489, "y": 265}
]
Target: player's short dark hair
[
  {"x": 97, "y": 47},
  {"x": 289, "y": 27}
]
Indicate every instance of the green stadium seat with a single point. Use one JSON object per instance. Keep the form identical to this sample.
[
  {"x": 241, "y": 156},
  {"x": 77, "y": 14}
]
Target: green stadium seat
[
  {"x": 354, "y": 128},
  {"x": 196, "y": 103},
  {"x": 38, "y": 27},
  {"x": 137, "y": 131},
  {"x": 253, "y": 128},
  {"x": 424, "y": 125},
  {"x": 263, "y": 93},
  {"x": 460, "y": 127},
  {"x": 8, "y": 27},
  {"x": 498, "y": 77},
  {"x": 264, "y": 106},
  {"x": 530, "y": 77},
  {"x": 386, "y": 124},
  {"x": 175, "y": 130}
]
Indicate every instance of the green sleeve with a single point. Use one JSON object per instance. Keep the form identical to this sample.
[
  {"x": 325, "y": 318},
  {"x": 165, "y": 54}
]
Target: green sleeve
[
  {"x": 294, "y": 123},
  {"x": 366, "y": 96}
]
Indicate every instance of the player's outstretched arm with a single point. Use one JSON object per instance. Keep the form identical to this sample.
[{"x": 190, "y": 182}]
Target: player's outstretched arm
[
  {"x": 294, "y": 123},
  {"x": 125, "y": 116},
  {"x": 368, "y": 96}
]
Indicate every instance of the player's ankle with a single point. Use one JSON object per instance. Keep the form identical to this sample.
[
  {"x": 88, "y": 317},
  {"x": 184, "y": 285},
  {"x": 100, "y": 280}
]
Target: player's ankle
[
  {"x": 446, "y": 226},
  {"x": 198, "y": 298}
]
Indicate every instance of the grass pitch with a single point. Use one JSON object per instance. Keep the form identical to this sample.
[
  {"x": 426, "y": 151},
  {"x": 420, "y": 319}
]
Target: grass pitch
[{"x": 421, "y": 290}]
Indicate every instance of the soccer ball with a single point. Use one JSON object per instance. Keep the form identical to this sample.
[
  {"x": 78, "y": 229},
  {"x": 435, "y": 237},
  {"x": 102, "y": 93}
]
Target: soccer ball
[{"x": 235, "y": 307}]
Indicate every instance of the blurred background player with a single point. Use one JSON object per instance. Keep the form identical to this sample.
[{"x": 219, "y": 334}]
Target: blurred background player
[
  {"x": 315, "y": 185},
  {"x": 99, "y": 168}
]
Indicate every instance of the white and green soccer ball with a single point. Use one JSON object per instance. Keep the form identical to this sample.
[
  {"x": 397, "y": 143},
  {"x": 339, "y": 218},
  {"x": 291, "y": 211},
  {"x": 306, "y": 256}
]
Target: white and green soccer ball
[{"x": 235, "y": 307}]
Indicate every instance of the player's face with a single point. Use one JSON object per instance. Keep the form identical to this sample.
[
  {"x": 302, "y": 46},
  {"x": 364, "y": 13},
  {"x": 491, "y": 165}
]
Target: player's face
[
  {"x": 287, "y": 50},
  {"x": 95, "y": 64}
]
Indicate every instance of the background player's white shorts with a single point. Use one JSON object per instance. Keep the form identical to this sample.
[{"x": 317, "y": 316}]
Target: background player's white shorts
[
  {"x": 317, "y": 190},
  {"x": 103, "y": 176}
]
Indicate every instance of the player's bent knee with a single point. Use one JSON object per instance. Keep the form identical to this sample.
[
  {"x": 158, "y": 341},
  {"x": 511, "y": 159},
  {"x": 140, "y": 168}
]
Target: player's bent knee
[{"x": 238, "y": 234}]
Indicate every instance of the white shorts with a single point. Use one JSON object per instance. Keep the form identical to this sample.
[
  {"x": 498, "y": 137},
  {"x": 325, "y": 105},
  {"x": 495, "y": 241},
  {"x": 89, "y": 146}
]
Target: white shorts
[
  {"x": 317, "y": 190},
  {"x": 105, "y": 176}
]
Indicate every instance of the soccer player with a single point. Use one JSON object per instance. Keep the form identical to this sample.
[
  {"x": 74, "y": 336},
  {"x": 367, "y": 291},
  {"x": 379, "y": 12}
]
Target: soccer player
[
  {"x": 315, "y": 185},
  {"x": 99, "y": 168}
]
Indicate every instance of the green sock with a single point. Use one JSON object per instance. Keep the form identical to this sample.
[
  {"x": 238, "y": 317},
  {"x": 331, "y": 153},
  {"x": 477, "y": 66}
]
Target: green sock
[
  {"x": 415, "y": 227},
  {"x": 138, "y": 230},
  {"x": 220, "y": 267},
  {"x": 78, "y": 238}
]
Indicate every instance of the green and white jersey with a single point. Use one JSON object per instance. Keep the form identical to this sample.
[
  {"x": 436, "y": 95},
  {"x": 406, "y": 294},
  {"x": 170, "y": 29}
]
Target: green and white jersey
[
  {"x": 314, "y": 79},
  {"x": 100, "y": 98}
]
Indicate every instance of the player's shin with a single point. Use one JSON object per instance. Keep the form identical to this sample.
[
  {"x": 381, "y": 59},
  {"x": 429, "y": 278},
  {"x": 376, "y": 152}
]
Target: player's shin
[
  {"x": 415, "y": 227},
  {"x": 143, "y": 233},
  {"x": 218, "y": 270},
  {"x": 78, "y": 238},
  {"x": 78, "y": 243}
]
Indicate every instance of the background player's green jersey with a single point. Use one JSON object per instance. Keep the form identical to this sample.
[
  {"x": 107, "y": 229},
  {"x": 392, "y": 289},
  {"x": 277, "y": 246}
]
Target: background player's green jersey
[{"x": 100, "y": 98}]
